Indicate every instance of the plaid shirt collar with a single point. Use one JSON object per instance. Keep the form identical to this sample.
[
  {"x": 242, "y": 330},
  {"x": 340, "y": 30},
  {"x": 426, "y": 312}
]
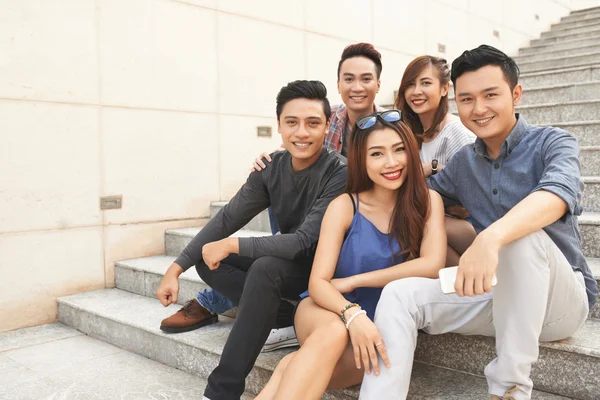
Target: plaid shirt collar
[{"x": 339, "y": 120}]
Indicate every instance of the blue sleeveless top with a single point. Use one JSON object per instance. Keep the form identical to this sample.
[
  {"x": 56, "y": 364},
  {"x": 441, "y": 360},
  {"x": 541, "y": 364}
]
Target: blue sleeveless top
[{"x": 365, "y": 249}]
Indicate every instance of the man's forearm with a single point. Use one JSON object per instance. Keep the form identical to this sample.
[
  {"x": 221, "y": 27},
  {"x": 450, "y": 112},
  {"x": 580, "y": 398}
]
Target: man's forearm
[
  {"x": 531, "y": 214},
  {"x": 174, "y": 271}
]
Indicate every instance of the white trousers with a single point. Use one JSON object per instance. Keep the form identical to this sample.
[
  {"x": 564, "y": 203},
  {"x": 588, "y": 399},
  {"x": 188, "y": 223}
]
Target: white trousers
[{"x": 538, "y": 298}]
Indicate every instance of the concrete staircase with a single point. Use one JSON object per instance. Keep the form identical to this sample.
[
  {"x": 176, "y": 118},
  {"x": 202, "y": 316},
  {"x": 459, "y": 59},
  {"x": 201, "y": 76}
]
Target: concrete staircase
[{"x": 561, "y": 77}]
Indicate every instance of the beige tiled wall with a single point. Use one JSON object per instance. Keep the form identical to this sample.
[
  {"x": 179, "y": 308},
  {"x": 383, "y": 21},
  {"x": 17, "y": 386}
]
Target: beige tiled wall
[{"x": 159, "y": 100}]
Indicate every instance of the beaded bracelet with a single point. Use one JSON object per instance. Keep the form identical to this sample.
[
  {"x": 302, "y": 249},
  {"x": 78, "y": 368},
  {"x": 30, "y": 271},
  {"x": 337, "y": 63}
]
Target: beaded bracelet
[
  {"x": 348, "y": 306},
  {"x": 356, "y": 314}
]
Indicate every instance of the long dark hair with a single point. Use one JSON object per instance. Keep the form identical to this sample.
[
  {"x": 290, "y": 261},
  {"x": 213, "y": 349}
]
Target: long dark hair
[
  {"x": 407, "y": 222},
  {"x": 409, "y": 77}
]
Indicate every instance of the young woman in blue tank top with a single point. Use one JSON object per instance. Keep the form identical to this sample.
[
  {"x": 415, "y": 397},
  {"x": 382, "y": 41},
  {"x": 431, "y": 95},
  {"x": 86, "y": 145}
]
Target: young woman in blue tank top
[{"x": 388, "y": 226}]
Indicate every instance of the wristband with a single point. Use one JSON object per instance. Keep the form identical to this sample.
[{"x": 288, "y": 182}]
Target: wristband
[
  {"x": 348, "y": 306},
  {"x": 356, "y": 314},
  {"x": 434, "y": 166}
]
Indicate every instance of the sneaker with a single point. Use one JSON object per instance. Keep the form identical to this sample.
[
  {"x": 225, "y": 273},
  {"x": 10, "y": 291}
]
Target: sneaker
[
  {"x": 280, "y": 338},
  {"x": 191, "y": 316},
  {"x": 508, "y": 395}
]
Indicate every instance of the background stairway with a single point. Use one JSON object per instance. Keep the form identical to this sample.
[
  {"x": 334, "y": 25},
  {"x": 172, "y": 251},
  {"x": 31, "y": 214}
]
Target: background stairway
[{"x": 561, "y": 79}]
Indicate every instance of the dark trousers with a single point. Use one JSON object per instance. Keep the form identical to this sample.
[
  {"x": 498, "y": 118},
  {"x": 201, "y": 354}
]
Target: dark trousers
[{"x": 256, "y": 286}]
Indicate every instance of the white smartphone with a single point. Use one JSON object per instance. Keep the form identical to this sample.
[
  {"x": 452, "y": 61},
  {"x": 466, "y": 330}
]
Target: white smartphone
[{"x": 448, "y": 277}]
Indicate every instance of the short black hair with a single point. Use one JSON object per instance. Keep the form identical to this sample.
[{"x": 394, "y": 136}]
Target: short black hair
[
  {"x": 361, "y": 50},
  {"x": 484, "y": 55},
  {"x": 312, "y": 90}
]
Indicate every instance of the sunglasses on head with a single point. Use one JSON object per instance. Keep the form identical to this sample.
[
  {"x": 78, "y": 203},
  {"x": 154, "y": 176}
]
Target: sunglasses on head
[{"x": 370, "y": 120}]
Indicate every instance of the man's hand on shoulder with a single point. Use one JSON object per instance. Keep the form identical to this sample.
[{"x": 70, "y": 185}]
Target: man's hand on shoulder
[
  {"x": 213, "y": 253},
  {"x": 477, "y": 266}
]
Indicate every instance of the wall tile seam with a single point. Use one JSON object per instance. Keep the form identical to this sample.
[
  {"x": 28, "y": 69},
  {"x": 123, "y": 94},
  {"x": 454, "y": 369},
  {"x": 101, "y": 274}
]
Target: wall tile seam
[
  {"x": 100, "y": 143},
  {"x": 117, "y": 106},
  {"x": 9, "y": 99},
  {"x": 106, "y": 225},
  {"x": 304, "y": 30}
]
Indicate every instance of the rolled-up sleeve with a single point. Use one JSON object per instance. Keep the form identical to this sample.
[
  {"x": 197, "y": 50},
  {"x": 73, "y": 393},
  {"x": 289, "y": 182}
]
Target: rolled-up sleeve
[
  {"x": 444, "y": 183},
  {"x": 562, "y": 175}
]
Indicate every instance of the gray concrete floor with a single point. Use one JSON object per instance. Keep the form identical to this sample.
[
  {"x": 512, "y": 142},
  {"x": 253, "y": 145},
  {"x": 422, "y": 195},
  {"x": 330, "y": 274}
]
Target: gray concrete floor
[{"x": 55, "y": 362}]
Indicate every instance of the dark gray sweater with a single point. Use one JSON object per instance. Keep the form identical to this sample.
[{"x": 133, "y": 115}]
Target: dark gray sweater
[{"x": 298, "y": 200}]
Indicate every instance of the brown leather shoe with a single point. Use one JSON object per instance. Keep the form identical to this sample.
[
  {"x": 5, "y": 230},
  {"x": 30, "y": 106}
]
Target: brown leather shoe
[
  {"x": 508, "y": 395},
  {"x": 191, "y": 316}
]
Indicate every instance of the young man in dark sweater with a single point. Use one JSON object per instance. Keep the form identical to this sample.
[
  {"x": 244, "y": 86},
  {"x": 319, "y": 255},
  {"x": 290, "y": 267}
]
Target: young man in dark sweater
[{"x": 255, "y": 273}]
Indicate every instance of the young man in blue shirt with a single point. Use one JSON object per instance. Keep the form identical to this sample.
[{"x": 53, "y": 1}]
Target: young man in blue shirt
[{"x": 521, "y": 185}]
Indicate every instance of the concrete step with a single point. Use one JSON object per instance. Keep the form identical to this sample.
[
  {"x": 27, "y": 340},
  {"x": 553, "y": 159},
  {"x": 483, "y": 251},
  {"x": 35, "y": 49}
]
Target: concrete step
[
  {"x": 591, "y": 193},
  {"x": 586, "y": 132},
  {"x": 560, "y": 63},
  {"x": 586, "y": 73},
  {"x": 570, "y": 31},
  {"x": 564, "y": 25},
  {"x": 585, "y": 11},
  {"x": 566, "y": 45},
  {"x": 542, "y": 55},
  {"x": 259, "y": 223},
  {"x": 131, "y": 322},
  {"x": 177, "y": 239},
  {"x": 589, "y": 157},
  {"x": 594, "y": 264},
  {"x": 589, "y": 228},
  {"x": 143, "y": 275},
  {"x": 587, "y": 110},
  {"x": 561, "y": 93},
  {"x": 565, "y": 38},
  {"x": 581, "y": 16}
]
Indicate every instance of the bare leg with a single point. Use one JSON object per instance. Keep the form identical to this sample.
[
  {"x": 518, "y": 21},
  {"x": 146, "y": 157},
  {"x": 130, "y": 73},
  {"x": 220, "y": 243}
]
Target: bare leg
[
  {"x": 268, "y": 392},
  {"x": 452, "y": 257},
  {"x": 460, "y": 235},
  {"x": 324, "y": 343}
]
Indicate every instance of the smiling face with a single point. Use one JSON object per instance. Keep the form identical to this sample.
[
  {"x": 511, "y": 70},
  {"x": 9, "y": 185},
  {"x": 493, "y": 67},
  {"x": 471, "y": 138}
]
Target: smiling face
[
  {"x": 424, "y": 94},
  {"x": 486, "y": 104},
  {"x": 302, "y": 125},
  {"x": 358, "y": 84},
  {"x": 386, "y": 158}
]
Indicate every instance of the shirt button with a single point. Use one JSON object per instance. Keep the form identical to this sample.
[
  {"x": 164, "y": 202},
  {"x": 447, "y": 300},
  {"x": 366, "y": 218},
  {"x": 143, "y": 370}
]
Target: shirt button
[
  {"x": 495, "y": 191},
  {"x": 496, "y": 165}
]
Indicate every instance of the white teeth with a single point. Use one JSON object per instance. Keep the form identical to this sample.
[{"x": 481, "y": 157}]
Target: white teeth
[
  {"x": 392, "y": 174},
  {"x": 302, "y": 144},
  {"x": 418, "y": 102},
  {"x": 483, "y": 121}
]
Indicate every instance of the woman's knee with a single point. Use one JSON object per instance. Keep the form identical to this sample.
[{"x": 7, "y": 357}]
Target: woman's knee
[{"x": 329, "y": 335}]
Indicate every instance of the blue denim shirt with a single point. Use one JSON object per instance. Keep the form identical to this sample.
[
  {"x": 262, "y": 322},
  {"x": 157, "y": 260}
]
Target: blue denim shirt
[{"x": 531, "y": 159}]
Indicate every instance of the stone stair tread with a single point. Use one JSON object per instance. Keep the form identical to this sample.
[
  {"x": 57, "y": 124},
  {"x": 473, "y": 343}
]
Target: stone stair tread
[
  {"x": 563, "y": 85},
  {"x": 159, "y": 264},
  {"x": 429, "y": 382},
  {"x": 194, "y": 231},
  {"x": 590, "y": 179},
  {"x": 561, "y": 69},
  {"x": 590, "y": 218},
  {"x": 146, "y": 313},
  {"x": 566, "y": 103},
  {"x": 561, "y": 57}
]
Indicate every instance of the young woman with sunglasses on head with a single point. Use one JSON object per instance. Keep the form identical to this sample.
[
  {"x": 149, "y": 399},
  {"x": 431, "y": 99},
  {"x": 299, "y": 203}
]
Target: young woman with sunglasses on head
[
  {"x": 388, "y": 226},
  {"x": 423, "y": 100}
]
